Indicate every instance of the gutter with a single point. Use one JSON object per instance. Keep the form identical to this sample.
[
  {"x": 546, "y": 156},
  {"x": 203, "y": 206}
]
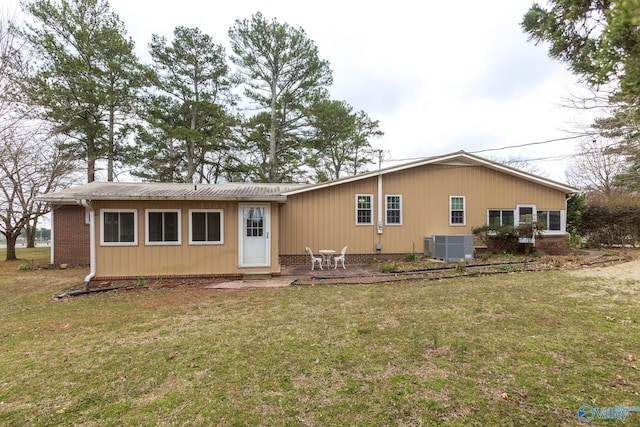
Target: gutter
[
  {"x": 276, "y": 198},
  {"x": 92, "y": 242}
]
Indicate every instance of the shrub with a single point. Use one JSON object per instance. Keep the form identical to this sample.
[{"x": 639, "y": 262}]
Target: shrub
[
  {"x": 505, "y": 238},
  {"x": 497, "y": 239},
  {"x": 141, "y": 282},
  {"x": 388, "y": 268},
  {"x": 428, "y": 265},
  {"x": 412, "y": 257},
  {"x": 611, "y": 224},
  {"x": 461, "y": 268},
  {"x": 505, "y": 267}
]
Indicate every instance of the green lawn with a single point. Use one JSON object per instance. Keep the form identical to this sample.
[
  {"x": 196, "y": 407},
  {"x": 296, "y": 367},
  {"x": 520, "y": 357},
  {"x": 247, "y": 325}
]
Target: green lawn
[
  {"x": 523, "y": 348},
  {"x": 40, "y": 254}
]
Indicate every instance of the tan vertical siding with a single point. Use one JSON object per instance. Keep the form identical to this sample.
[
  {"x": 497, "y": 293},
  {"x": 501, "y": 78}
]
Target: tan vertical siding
[
  {"x": 325, "y": 218},
  {"x": 178, "y": 260}
]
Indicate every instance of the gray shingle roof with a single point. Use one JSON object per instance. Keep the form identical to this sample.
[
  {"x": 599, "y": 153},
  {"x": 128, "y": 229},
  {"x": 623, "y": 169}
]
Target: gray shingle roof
[{"x": 263, "y": 192}]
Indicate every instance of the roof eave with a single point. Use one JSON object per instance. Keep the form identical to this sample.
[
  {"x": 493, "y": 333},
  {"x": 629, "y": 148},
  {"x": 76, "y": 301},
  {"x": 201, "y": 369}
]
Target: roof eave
[
  {"x": 78, "y": 197},
  {"x": 58, "y": 200}
]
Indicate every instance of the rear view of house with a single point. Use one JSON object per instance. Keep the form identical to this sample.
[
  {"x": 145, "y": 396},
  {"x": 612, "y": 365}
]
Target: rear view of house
[{"x": 185, "y": 230}]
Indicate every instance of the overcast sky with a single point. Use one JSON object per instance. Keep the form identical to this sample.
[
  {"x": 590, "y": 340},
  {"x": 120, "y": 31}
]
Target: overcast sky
[{"x": 440, "y": 76}]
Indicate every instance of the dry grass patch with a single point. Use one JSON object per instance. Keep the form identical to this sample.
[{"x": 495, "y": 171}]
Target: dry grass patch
[{"x": 519, "y": 348}]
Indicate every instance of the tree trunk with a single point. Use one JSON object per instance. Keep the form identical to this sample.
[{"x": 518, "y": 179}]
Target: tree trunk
[
  {"x": 111, "y": 148},
  {"x": 91, "y": 160},
  {"x": 30, "y": 231},
  {"x": 273, "y": 134},
  {"x": 91, "y": 170},
  {"x": 191, "y": 147},
  {"x": 11, "y": 247}
]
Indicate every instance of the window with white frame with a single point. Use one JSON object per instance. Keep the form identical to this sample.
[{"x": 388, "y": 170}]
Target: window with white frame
[
  {"x": 364, "y": 209},
  {"x": 457, "y": 210},
  {"x": 118, "y": 227},
  {"x": 393, "y": 213},
  {"x": 254, "y": 219},
  {"x": 163, "y": 227},
  {"x": 205, "y": 226},
  {"x": 501, "y": 217},
  {"x": 551, "y": 220},
  {"x": 526, "y": 214}
]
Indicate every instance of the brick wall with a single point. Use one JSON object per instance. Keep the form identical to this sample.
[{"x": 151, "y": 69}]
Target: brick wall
[
  {"x": 71, "y": 239},
  {"x": 553, "y": 245},
  {"x": 350, "y": 258},
  {"x": 549, "y": 245}
]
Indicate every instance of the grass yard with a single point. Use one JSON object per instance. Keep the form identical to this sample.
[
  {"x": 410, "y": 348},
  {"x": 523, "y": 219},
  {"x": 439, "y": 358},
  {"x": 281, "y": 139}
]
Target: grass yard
[{"x": 511, "y": 349}]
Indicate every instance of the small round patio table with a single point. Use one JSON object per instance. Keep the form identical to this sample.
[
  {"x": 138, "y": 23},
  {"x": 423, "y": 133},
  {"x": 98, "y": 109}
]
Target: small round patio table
[{"x": 326, "y": 256}]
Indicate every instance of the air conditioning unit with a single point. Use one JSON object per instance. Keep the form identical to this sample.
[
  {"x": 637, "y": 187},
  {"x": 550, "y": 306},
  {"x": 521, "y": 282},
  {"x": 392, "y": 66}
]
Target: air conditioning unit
[{"x": 453, "y": 247}]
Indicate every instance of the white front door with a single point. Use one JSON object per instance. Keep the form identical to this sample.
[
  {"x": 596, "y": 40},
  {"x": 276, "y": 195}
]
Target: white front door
[{"x": 255, "y": 230}]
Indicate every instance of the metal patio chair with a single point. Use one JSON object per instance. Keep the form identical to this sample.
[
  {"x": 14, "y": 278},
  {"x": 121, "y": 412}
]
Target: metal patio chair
[
  {"x": 340, "y": 258},
  {"x": 314, "y": 259}
]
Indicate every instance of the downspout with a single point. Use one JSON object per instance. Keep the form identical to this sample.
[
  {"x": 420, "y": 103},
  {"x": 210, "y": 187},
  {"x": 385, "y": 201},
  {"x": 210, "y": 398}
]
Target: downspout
[
  {"x": 380, "y": 202},
  {"x": 379, "y": 222},
  {"x": 92, "y": 243},
  {"x": 52, "y": 242}
]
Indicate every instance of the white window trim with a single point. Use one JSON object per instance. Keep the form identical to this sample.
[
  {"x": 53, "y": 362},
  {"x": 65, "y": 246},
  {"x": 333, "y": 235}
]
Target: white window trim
[
  {"x": 370, "y": 209},
  {"x": 563, "y": 223},
  {"x": 464, "y": 211},
  {"x": 221, "y": 241},
  {"x": 146, "y": 228},
  {"x": 517, "y": 217},
  {"x": 386, "y": 200},
  {"x": 135, "y": 227}
]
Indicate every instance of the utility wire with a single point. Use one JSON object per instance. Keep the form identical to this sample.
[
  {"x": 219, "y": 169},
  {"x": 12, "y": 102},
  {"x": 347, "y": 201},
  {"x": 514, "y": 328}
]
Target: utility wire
[
  {"x": 567, "y": 138},
  {"x": 532, "y": 143}
]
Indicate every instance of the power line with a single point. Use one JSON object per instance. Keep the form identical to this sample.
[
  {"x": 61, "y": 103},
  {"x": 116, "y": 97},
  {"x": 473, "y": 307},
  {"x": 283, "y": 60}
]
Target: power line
[
  {"x": 567, "y": 138},
  {"x": 533, "y": 143}
]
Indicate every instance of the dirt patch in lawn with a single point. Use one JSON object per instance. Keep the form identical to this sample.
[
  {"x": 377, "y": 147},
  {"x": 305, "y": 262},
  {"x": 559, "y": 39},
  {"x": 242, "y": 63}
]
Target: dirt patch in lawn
[{"x": 629, "y": 270}]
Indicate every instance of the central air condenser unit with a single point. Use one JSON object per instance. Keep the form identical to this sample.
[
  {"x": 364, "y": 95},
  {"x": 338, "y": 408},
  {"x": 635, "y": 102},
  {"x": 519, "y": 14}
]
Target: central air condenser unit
[{"x": 453, "y": 247}]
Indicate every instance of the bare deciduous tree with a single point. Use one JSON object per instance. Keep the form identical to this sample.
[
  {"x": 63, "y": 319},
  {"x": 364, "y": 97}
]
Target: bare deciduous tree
[
  {"x": 12, "y": 66},
  {"x": 30, "y": 166},
  {"x": 595, "y": 167},
  {"x": 518, "y": 162}
]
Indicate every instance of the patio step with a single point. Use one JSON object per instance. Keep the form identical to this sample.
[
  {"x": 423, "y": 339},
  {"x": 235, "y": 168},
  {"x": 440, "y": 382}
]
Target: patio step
[{"x": 256, "y": 276}]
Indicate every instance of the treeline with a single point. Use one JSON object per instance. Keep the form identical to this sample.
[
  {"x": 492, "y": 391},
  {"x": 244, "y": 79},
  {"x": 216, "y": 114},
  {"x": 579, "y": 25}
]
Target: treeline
[
  {"x": 76, "y": 104},
  {"x": 599, "y": 42},
  {"x": 195, "y": 113}
]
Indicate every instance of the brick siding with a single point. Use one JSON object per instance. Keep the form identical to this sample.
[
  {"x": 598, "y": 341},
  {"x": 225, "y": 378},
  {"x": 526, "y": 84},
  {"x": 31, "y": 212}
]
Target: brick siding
[
  {"x": 71, "y": 239},
  {"x": 349, "y": 258},
  {"x": 549, "y": 245},
  {"x": 553, "y": 245}
]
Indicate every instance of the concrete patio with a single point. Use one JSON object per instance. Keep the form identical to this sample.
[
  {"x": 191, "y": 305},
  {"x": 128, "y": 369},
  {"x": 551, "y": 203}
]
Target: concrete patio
[
  {"x": 350, "y": 271},
  {"x": 291, "y": 273}
]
